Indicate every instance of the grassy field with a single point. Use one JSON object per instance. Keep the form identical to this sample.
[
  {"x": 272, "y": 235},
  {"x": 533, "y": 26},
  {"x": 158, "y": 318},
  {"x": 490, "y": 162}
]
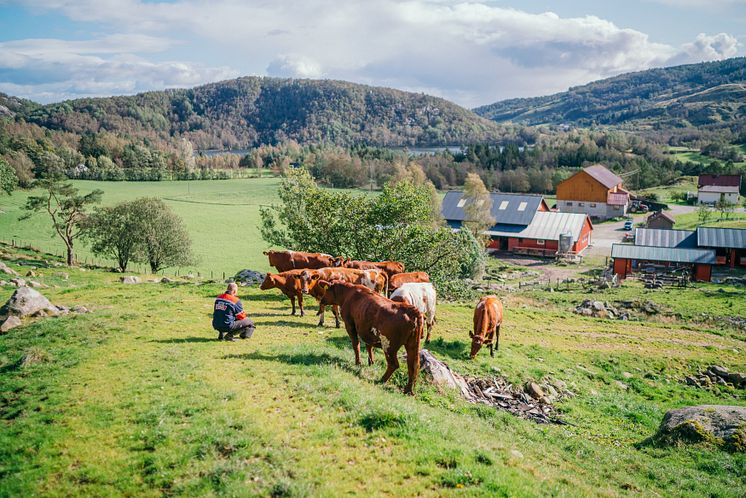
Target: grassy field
[
  {"x": 222, "y": 217},
  {"x": 690, "y": 221},
  {"x": 686, "y": 154},
  {"x": 139, "y": 399},
  {"x": 664, "y": 192}
]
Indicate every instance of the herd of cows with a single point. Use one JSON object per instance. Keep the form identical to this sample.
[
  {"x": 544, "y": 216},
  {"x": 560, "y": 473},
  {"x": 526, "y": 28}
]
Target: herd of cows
[{"x": 357, "y": 292}]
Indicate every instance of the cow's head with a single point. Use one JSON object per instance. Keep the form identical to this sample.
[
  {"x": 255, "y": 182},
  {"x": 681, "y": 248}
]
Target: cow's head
[
  {"x": 270, "y": 281},
  {"x": 476, "y": 344},
  {"x": 324, "y": 292},
  {"x": 338, "y": 262},
  {"x": 305, "y": 281}
]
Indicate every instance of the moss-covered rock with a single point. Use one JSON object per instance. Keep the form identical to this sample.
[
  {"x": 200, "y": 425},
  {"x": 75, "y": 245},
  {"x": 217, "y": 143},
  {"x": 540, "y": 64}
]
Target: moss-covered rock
[{"x": 721, "y": 425}]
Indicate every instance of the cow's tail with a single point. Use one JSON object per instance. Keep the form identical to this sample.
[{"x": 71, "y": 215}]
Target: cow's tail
[
  {"x": 420, "y": 328},
  {"x": 386, "y": 283}
]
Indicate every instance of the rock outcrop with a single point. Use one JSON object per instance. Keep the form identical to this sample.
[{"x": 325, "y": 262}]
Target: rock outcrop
[
  {"x": 721, "y": 425},
  {"x": 248, "y": 277}
]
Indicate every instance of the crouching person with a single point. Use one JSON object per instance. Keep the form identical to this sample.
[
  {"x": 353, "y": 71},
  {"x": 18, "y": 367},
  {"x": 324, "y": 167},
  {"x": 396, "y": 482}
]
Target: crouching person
[{"x": 229, "y": 317}]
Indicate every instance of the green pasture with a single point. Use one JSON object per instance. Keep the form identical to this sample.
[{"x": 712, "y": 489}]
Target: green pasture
[
  {"x": 690, "y": 221},
  {"x": 222, "y": 217},
  {"x": 138, "y": 399}
]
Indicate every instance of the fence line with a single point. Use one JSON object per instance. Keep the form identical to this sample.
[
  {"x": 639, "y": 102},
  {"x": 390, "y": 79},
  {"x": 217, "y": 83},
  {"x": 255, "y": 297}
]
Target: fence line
[{"x": 98, "y": 262}]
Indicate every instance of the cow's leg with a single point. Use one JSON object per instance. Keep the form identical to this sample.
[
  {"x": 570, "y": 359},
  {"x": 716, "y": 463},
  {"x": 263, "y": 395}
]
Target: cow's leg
[
  {"x": 355, "y": 342},
  {"x": 335, "y": 310},
  {"x": 321, "y": 313},
  {"x": 413, "y": 363},
  {"x": 497, "y": 337},
  {"x": 429, "y": 328},
  {"x": 370, "y": 353},
  {"x": 292, "y": 301},
  {"x": 392, "y": 362},
  {"x": 300, "y": 304}
]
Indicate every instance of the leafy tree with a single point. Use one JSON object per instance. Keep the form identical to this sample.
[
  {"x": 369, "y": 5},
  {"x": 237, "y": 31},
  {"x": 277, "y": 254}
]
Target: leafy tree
[
  {"x": 116, "y": 232},
  {"x": 399, "y": 224},
  {"x": 8, "y": 178},
  {"x": 164, "y": 240},
  {"x": 704, "y": 213},
  {"x": 67, "y": 209},
  {"x": 724, "y": 207},
  {"x": 478, "y": 206}
]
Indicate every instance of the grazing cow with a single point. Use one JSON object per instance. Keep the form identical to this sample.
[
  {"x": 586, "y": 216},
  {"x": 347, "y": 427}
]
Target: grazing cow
[
  {"x": 423, "y": 297},
  {"x": 288, "y": 284},
  {"x": 390, "y": 267},
  {"x": 295, "y": 260},
  {"x": 488, "y": 316},
  {"x": 378, "y": 321},
  {"x": 396, "y": 281},
  {"x": 373, "y": 279}
]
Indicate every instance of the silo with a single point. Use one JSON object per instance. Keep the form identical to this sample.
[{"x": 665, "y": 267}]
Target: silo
[{"x": 565, "y": 243}]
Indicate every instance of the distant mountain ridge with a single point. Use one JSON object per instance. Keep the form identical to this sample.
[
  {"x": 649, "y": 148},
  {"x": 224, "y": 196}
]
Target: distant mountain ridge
[
  {"x": 709, "y": 93},
  {"x": 248, "y": 111}
]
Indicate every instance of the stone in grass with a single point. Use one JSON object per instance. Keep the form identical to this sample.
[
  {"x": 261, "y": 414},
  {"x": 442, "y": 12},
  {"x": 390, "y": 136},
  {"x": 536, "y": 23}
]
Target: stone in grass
[
  {"x": 26, "y": 301},
  {"x": 722, "y": 425},
  {"x": 80, "y": 309},
  {"x": 6, "y": 269},
  {"x": 10, "y": 323},
  {"x": 130, "y": 279}
]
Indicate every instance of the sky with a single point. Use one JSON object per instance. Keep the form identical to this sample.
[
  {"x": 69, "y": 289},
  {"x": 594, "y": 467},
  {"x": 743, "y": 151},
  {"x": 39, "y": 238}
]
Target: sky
[{"x": 472, "y": 53}]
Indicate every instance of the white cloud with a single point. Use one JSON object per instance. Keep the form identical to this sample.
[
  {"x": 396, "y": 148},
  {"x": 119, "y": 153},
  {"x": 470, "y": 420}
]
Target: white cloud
[
  {"x": 294, "y": 66},
  {"x": 50, "y": 70},
  {"x": 474, "y": 53}
]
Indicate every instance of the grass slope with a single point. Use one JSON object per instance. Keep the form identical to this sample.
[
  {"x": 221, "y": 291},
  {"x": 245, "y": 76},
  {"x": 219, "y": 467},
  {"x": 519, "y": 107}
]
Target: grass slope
[
  {"x": 222, "y": 217},
  {"x": 138, "y": 399}
]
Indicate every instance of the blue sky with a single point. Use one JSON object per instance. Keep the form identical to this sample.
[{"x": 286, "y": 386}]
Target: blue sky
[{"x": 472, "y": 53}]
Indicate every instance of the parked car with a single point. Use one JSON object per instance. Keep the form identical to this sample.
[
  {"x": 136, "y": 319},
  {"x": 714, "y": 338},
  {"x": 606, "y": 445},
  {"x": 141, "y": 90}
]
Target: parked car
[{"x": 628, "y": 225}]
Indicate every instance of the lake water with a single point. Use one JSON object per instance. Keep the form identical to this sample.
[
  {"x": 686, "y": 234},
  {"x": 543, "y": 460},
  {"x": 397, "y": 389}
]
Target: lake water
[{"x": 415, "y": 151}]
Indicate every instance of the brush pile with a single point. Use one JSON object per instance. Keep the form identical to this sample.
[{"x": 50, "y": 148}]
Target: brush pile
[{"x": 532, "y": 402}]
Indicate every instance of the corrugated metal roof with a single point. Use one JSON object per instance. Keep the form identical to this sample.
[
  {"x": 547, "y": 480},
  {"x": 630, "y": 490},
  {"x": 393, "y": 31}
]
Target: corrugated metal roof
[
  {"x": 733, "y": 238},
  {"x": 510, "y": 209},
  {"x": 668, "y": 254},
  {"x": 719, "y": 188},
  {"x": 603, "y": 175},
  {"x": 658, "y": 237},
  {"x": 719, "y": 180},
  {"x": 546, "y": 225}
]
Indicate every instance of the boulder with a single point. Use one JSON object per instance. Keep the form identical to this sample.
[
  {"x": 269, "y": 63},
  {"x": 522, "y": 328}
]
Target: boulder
[
  {"x": 130, "y": 279},
  {"x": 6, "y": 269},
  {"x": 37, "y": 285},
  {"x": 722, "y": 425},
  {"x": 31, "y": 273},
  {"x": 166, "y": 280},
  {"x": 534, "y": 390},
  {"x": 80, "y": 309},
  {"x": 248, "y": 277},
  {"x": 10, "y": 323},
  {"x": 18, "y": 282},
  {"x": 26, "y": 301}
]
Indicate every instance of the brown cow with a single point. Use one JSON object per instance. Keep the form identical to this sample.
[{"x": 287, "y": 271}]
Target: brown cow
[
  {"x": 288, "y": 284},
  {"x": 373, "y": 279},
  {"x": 415, "y": 277},
  {"x": 294, "y": 260},
  {"x": 390, "y": 267},
  {"x": 379, "y": 321},
  {"x": 488, "y": 316}
]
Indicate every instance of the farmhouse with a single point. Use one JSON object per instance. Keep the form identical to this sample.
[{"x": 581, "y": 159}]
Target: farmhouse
[
  {"x": 659, "y": 219},
  {"x": 524, "y": 224},
  {"x": 594, "y": 191},
  {"x": 729, "y": 244},
  {"x": 631, "y": 258},
  {"x": 713, "y": 188}
]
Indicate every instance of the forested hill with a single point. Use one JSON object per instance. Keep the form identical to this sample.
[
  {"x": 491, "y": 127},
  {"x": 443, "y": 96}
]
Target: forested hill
[
  {"x": 711, "y": 93},
  {"x": 255, "y": 110}
]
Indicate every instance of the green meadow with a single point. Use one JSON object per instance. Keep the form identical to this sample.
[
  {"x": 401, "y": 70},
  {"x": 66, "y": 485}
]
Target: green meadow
[
  {"x": 222, "y": 217},
  {"x": 138, "y": 399}
]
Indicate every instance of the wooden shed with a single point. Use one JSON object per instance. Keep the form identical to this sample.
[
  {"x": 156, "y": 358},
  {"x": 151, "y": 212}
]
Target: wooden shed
[
  {"x": 629, "y": 259},
  {"x": 660, "y": 220}
]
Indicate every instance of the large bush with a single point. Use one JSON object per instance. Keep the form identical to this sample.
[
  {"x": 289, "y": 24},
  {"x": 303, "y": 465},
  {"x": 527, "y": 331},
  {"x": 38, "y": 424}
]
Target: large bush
[{"x": 399, "y": 224}]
